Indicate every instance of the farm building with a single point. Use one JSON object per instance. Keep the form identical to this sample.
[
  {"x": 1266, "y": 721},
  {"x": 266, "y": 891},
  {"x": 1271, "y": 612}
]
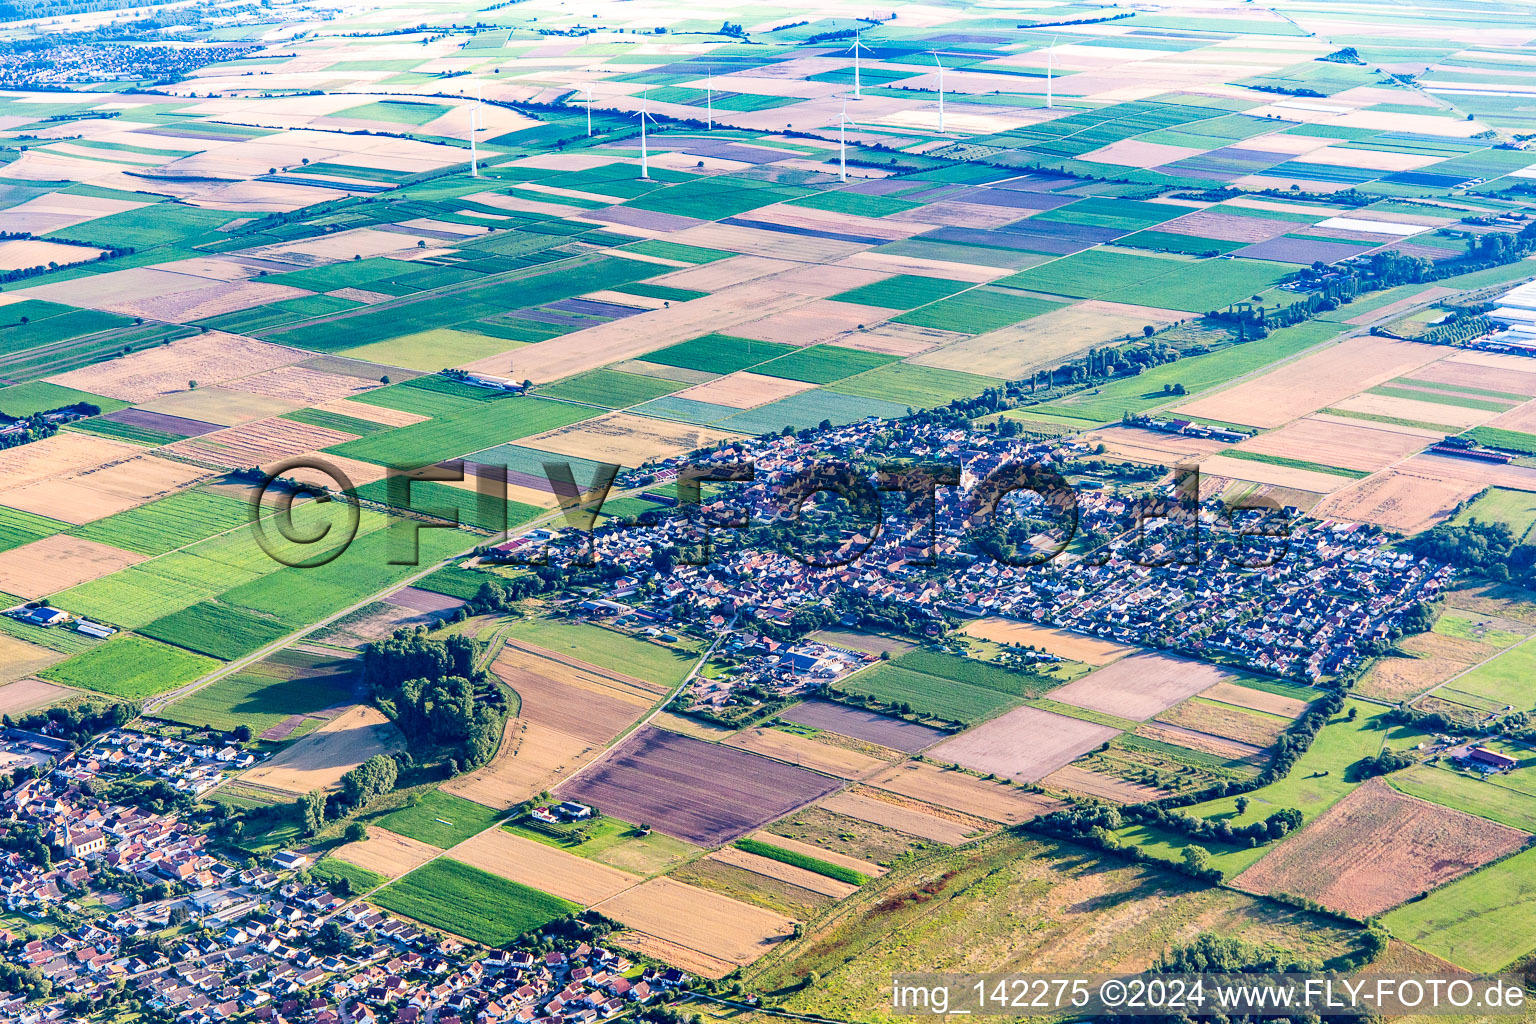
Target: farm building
[{"x": 1486, "y": 760}]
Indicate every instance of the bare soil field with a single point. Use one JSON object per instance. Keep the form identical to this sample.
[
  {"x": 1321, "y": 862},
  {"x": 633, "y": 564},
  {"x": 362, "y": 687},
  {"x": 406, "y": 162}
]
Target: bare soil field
[
  {"x": 1141, "y": 685},
  {"x": 893, "y": 263},
  {"x": 818, "y": 321},
  {"x": 319, "y": 760},
  {"x": 994, "y": 801},
  {"x": 1258, "y": 700},
  {"x": 1152, "y": 446},
  {"x": 1089, "y": 650},
  {"x": 565, "y": 694},
  {"x": 1376, "y": 848},
  {"x": 211, "y": 358},
  {"x": 744, "y": 390},
  {"x": 807, "y": 752},
  {"x": 625, "y": 439},
  {"x": 1358, "y": 446},
  {"x": 258, "y": 443},
  {"x": 1236, "y": 724},
  {"x": 900, "y": 339},
  {"x": 1026, "y": 744},
  {"x": 1402, "y": 499},
  {"x": 543, "y": 867},
  {"x": 22, "y": 253},
  {"x": 704, "y": 793},
  {"x": 376, "y": 413},
  {"x": 1314, "y": 382},
  {"x": 1229, "y": 227},
  {"x": 57, "y": 563},
  {"x": 1494, "y": 371},
  {"x": 84, "y": 495},
  {"x": 902, "y": 818},
  {"x": 1521, "y": 418},
  {"x": 1453, "y": 416},
  {"x": 28, "y": 694},
  {"x": 1101, "y": 786},
  {"x": 1047, "y": 339},
  {"x": 387, "y": 853},
  {"x": 784, "y": 872},
  {"x": 715, "y": 926},
  {"x": 895, "y": 733}
]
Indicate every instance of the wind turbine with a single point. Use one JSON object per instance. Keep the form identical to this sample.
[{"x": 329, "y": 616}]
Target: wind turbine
[
  {"x": 1050, "y": 66},
  {"x": 474, "y": 127},
  {"x": 709, "y": 98},
  {"x": 941, "y": 89},
  {"x": 589, "y": 111},
  {"x": 856, "y": 47},
  {"x": 645, "y": 167},
  {"x": 842, "y": 143}
]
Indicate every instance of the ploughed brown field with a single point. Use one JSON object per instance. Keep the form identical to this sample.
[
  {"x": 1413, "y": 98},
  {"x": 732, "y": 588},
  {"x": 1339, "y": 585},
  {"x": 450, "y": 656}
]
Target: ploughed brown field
[
  {"x": 1140, "y": 686},
  {"x": 895, "y": 733},
  {"x": 706, "y": 793},
  {"x": 1378, "y": 847}
]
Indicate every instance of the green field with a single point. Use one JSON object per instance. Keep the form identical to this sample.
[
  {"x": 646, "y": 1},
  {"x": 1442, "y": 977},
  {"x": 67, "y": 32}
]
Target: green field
[
  {"x": 1090, "y": 274},
  {"x": 1481, "y": 922},
  {"x": 431, "y": 497},
  {"x": 433, "y": 349},
  {"x": 918, "y": 387},
  {"x": 466, "y": 901},
  {"x": 1484, "y": 796},
  {"x": 610, "y": 389},
  {"x": 610, "y": 841},
  {"x": 928, "y": 695},
  {"x": 1515, "y": 509},
  {"x": 266, "y": 694},
  {"x": 1506, "y": 680},
  {"x": 823, "y": 364},
  {"x": 903, "y": 291},
  {"x": 978, "y": 311},
  {"x": 1318, "y": 780},
  {"x": 718, "y": 353},
  {"x": 333, "y": 869},
  {"x": 801, "y": 860},
  {"x": 396, "y": 112},
  {"x": 666, "y": 666},
  {"x": 216, "y": 630},
  {"x": 172, "y": 522},
  {"x": 18, "y": 528},
  {"x": 130, "y": 667},
  {"x": 22, "y": 400},
  {"x": 459, "y": 433},
  {"x": 1509, "y": 440},
  {"x": 440, "y": 819}
]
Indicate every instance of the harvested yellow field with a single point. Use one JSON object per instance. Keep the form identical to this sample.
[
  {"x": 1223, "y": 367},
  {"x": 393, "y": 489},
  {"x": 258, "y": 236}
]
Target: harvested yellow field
[
  {"x": 25, "y": 695},
  {"x": 23, "y": 253},
  {"x": 695, "y": 727},
  {"x": 744, "y": 390},
  {"x": 387, "y": 853},
  {"x": 1268, "y": 473},
  {"x": 306, "y": 386},
  {"x": 783, "y": 872},
  {"x": 211, "y": 358},
  {"x": 1317, "y": 381},
  {"x": 543, "y": 867},
  {"x": 994, "y": 801},
  {"x": 532, "y": 758},
  {"x": 225, "y": 406},
  {"x": 813, "y": 323},
  {"x": 901, "y": 817},
  {"x": 1358, "y": 446},
  {"x": 807, "y": 752},
  {"x": 1257, "y": 700},
  {"x": 1089, "y": 650},
  {"x": 716, "y": 926},
  {"x": 57, "y": 563},
  {"x": 1152, "y": 447},
  {"x": 1454, "y": 417},
  {"x": 319, "y": 760},
  {"x": 258, "y": 443},
  {"x": 1048, "y": 339},
  {"x": 668, "y": 952},
  {"x": 1100, "y": 786},
  {"x": 373, "y": 413},
  {"x": 625, "y": 439},
  {"x": 1402, "y": 499}
]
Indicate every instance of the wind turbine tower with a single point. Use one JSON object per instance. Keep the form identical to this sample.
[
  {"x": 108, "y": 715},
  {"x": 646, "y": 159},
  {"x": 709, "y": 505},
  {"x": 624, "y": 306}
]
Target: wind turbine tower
[
  {"x": 709, "y": 99},
  {"x": 589, "y": 111},
  {"x": 645, "y": 167},
  {"x": 842, "y": 143},
  {"x": 856, "y": 47},
  {"x": 941, "y": 90},
  {"x": 474, "y": 127},
  {"x": 1050, "y": 67}
]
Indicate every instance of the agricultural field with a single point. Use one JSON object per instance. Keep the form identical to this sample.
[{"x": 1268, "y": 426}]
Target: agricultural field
[
  {"x": 663, "y": 664},
  {"x": 281, "y": 697},
  {"x": 699, "y": 792},
  {"x": 1140, "y": 686},
  {"x": 995, "y": 748},
  {"x": 439, "y": 819},
  {"x": 130, "y": 667},
  {"x": 1377, "y": 848},
  {"x": 1481, "y": 922},
  {"x": 468, "y": 901}
]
